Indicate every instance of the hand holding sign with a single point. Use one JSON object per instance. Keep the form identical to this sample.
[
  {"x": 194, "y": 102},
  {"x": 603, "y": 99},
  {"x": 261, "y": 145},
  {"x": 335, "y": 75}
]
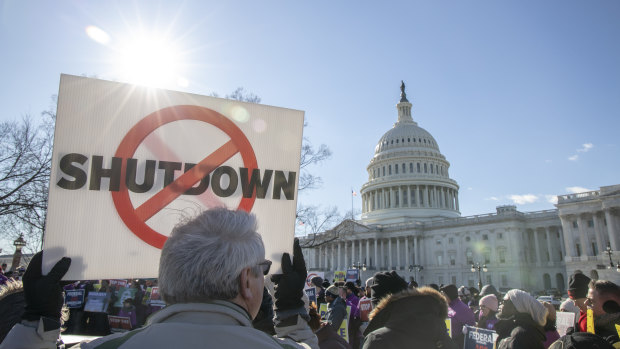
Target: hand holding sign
[
  {"x": 43, "y": 292},
  {"x": 289, "y": 285}
]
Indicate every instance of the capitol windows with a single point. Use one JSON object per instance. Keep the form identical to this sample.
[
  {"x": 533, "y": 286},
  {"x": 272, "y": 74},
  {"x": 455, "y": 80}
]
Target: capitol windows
[
  {"x": 409, "y": 140},
  {"x": 438, "y": 241},
  {"x": 504, "y": 280},
  {"x": 450, "y": 240},
  {"x": 425, "y": 168},
  {"x": 485, "y": 237},
  {"x": 389, "y": 169},
  {"x": 397, "y": 141},
  {"x": 487, "y": 255},
  {"x": 392, "y": 142},
  {"x": 436, "y": 169},
  {"x": 410, "y": 167},
  {"x": 384, "y": 170},
  {"x": 470, "y": 256},
  {"x": 590, "y": 224},
  {"x": 396, "y": 168},
  {"x": 467, "y": 238},
  {"x": 418, "y": 167},
  {"x": 501, "y": 236},
  {"x": 502, "y": 255},
  {"x": 431, "y": 168},
  {"x": 404, "y": 169},
  {"x": 574, "y": 224}
]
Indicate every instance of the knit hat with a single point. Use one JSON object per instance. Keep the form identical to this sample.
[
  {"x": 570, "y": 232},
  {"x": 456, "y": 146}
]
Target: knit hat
[
  {"x": 386, "y": 283},
  {"x": 524, "y": 303},
  {"x": 351, "y": 286},
  {"x": 463, "y": 291},
  {"x": 332, "y": 291},
  {"x": 487, "y": 290},
  {"x": 317, "y": 281},
  {"x": 450, "y": 291},
  {"x": 489, "y": 301},
  {"x": 578, "y": 286}
]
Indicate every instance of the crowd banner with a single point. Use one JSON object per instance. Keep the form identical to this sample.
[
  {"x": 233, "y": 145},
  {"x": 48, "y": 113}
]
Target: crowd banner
[
  {"x": 118, "y": 284},
  {"x": 124, "y": 293},
  {"x": 479, "y": 338},
  {"x": 311, "y": 293},
  {"x": 365, "y": 307},
  {"x": 322, "y": 310},
  {"x": 343, "y": 331},
  {"x": 311, "y": 275},
  {"x": 352, "y": 275},
  {"x": 74, "y": 298},
  {"x": 119, "y": 323},
  {"x": 339, "y": 275},
  {"x": 97, "y": 302},
  {"x": 129, "y": 162},
  {"x": 564, "y": 320}
]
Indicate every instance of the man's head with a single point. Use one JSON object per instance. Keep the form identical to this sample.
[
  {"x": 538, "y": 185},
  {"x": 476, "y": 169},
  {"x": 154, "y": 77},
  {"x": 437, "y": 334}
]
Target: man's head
[
  {"x": 217, "y": 255},
  {"x": 317, "y": 281},
  {"x": 367, "y": 290},
  {"x": 450, "y": 291},
  {"x": 350, "y": 288},
  {"x": 578, "y": 289},
  {"x": 331, "y": 293},
  {"x": 599, "y": 292}
]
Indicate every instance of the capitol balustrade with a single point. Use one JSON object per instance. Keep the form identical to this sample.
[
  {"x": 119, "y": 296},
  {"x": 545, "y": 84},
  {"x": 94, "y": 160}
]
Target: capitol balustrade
[{"x": 562, "y": 199}]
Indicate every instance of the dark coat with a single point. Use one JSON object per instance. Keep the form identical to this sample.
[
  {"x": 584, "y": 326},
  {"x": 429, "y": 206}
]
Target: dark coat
[
  {"x": 336, "y": 312},
  {"x": 328, "y": 339},
  {"x": 410, "y": 319},
  {"x": 519, "y": 332}
]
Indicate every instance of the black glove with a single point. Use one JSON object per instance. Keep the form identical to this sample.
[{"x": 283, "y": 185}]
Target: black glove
[
  {"x": 289, "y": 286},
  {"x": 43, "y": 293}
]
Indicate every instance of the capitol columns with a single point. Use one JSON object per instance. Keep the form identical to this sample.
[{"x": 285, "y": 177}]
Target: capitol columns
[
  {"x": 548, "y": 236},
  {"x": 598, "y": 232},
  {"x": 583, "y": 236},
  {"x": 567, "y": 234},
  {"x": 537, "y": 246},
  {"x": 397, "y": 253},
  {"x": 612, "y": 229},
  {"x": 377, "y": 264}
]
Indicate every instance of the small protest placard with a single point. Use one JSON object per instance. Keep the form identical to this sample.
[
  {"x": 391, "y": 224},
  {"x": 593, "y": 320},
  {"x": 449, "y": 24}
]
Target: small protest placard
[
  {"x": 340, "y": 275},
  {"x": 479, "y": 338},
  {"x": 311, "y": 292},
  {"x": 156, "y": 300},
  {"x": 563, "y": 321},
  {"x": 74, "y": 298},
  {"x": 119, "y": 323},
  {"x": 365, "y": 307},
  {"x": 449, "y": 326},
  {"x": 124, "y": 293},
  {"x": 118, "y": 284},
  {"x": 322, "y": 310},
  {"x": 97, "y": 302},
  {"x": 352, "y": 275}
]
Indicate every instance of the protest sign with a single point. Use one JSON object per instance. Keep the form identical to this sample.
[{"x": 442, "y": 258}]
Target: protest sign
[
  {"x": 124, "y": 293},
  {"x": 590, "y": 320},
  {"x": 322, "y": 310},
  {"x": 313, "y": 274},
  {"x": 311, "y": 293},
  {"x": 343, "y": 331},
  {"x": 563, "y": 321},
  {"x": 129, "y": 162},
  {"x": 156, "y": 300},
  {"x": 74, "y": 298},
  {"x": 365, "y": 306},
  {"x": 449, "y": 326},
  {"x": 97, "y": 302},
  {"x": 119, "y": 323},
  {"x": 339, "y": 275},
  {"x": 352, "y": 275},
  {"x": 118, "y": 284},
  {"x": 479, "y": 338}
]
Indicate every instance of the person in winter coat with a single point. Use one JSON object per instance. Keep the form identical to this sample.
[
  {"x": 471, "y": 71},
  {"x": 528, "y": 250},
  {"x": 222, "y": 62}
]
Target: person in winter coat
[
  {"x": 551, "y": 331},
  {"x": 410, "y": 319},
  {"x": 212, "y": 295},
  {"x": 336, "y": 308},
  {"x": 459, "y": 313},
  {"x": 488, "y": 310},
  {"x": 129, "y": 310},
  {"x": 521, "y": 321}
]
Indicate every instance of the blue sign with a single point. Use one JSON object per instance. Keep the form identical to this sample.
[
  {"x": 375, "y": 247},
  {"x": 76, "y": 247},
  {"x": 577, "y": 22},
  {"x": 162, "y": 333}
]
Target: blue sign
[{"x": 479, "y": 338}]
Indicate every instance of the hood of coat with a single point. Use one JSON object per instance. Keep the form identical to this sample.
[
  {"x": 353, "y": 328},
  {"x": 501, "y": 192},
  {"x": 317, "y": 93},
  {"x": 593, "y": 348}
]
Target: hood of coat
[
  {"x": 505, "y": 326},
  {"x": 418, "y": 310}
]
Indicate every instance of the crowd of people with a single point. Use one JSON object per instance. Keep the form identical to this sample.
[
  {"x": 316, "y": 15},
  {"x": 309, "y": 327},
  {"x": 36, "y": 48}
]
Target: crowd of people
[{"x": 214, "y": 298}]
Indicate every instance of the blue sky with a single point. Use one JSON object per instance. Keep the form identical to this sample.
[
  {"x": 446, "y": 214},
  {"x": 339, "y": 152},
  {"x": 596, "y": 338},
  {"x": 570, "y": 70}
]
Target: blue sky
[{"x": 521, "y": 96}]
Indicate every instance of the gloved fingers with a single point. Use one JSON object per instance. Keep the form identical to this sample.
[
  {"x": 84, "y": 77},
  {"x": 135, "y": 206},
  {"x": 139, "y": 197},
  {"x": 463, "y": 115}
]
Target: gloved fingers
[
  {"x": 298, "y": 259},
  {"x": 275, "y": 278},
  {"x": 60, "y": 269},
  {"x": 34, "y": 267},
  {"x": 287, "y": 267}
]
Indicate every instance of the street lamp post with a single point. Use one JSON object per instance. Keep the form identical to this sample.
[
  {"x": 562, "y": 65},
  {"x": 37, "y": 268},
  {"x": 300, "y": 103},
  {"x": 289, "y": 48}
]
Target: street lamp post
[
  {"x": 478, "y": 267},
  {"x": 609, "y": 252},
  {"x": 415, "y": 268},
  {"x": 19, "y": 243},
  {"x": 361, "y": 267}
]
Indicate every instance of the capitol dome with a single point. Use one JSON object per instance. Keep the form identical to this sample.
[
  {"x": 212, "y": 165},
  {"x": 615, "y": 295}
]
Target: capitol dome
[{"x": 408, "y": 176}]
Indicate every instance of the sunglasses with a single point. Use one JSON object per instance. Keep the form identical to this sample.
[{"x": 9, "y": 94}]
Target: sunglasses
[{"x": 265, "y": 266}]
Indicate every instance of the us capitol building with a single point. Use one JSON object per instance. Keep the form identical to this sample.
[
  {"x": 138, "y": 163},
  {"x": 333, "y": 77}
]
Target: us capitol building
[{"x": 411, "y": 223}]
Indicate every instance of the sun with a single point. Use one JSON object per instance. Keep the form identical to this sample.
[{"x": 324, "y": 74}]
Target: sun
[{"x": 150, "y": 61}]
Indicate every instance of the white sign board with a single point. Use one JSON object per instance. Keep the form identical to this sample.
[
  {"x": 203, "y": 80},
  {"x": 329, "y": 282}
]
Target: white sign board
[
  {"x": 129, "y": 162},
  {"x": 564, "y": 320}
]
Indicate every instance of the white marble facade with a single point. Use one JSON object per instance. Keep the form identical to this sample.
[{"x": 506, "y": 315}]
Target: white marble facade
[{"x": 410, "y": 218}]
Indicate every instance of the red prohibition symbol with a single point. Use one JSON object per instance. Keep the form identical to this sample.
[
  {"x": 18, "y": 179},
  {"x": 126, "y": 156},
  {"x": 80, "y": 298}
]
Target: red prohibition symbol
[{"x": 135, "y": 217}]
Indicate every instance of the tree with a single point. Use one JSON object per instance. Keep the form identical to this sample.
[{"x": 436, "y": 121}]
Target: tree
[{"x": 25, "y": 161}]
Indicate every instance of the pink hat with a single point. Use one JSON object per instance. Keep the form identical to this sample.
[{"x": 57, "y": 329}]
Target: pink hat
[{"x": 489, "y": 301}]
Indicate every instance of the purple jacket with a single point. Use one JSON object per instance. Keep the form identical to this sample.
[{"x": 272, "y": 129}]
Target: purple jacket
[
  {"x": 461, "y": 315},
  {"x": 354, "y": 302}
]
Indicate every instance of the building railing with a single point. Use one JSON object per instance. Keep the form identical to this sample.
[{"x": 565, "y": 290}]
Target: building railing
[{"x": 578, "y": 196}]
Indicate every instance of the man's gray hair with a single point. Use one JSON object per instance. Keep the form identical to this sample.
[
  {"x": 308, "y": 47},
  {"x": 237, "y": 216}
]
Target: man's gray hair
[{"x": 203, "y": 257}]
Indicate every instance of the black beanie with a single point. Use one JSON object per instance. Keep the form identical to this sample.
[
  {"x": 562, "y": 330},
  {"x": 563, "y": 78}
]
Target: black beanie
[
  {"x": 451, "y": 291},
  {"x": 351, "y": 286},
  {"x": 578, "y": 286},
  {"x": 317, "y": 281},
  {"x": 384, "y": 284}
]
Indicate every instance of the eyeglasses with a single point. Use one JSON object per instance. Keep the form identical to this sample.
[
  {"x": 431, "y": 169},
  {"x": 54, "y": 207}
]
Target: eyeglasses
[{"x": 265, "y": 266}]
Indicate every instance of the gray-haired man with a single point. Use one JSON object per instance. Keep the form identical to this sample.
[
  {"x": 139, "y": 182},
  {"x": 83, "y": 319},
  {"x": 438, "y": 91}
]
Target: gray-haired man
[{"x": 211, "y": 276}]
